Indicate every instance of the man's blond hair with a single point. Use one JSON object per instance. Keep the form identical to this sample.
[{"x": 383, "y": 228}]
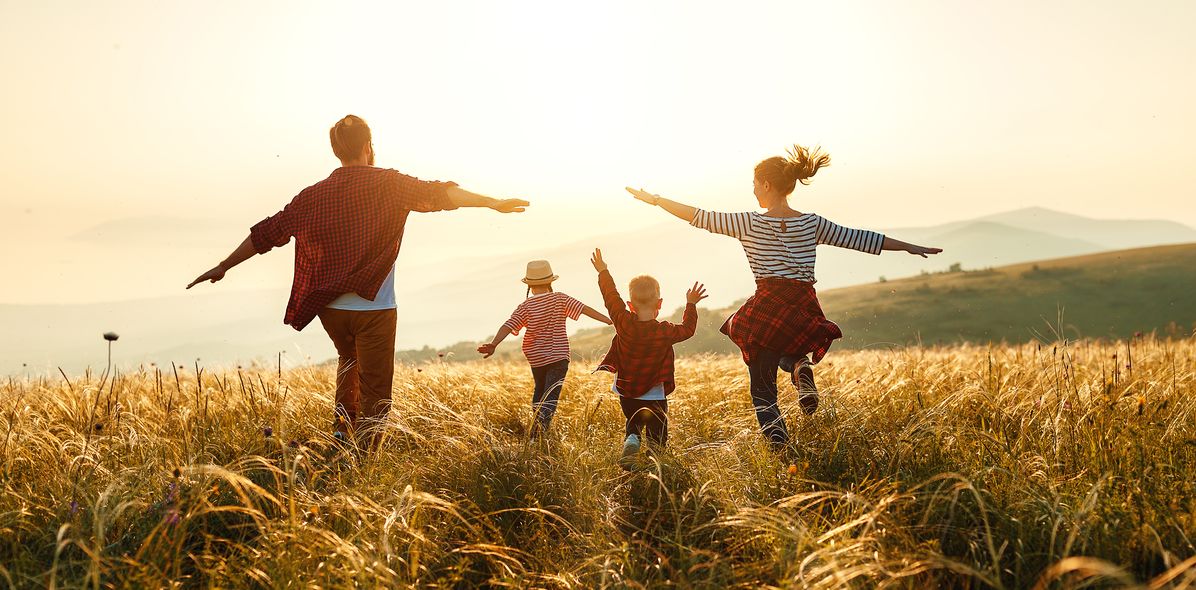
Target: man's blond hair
[{"x": 644, "y": 290}]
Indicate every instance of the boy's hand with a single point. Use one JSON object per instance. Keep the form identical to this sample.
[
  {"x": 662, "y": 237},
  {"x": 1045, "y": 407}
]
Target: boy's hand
[
  {"x": 487, "y": 349},
  {"x": 510, "y": 205},
  {"x": 696, "y": 293},
  {"x": 597, "y": 261}
]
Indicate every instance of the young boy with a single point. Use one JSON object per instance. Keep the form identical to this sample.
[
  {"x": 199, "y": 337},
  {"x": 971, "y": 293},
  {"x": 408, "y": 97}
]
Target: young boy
[
  {"x": 546, "y": 345},
  {"x": 641, "y": 355}
]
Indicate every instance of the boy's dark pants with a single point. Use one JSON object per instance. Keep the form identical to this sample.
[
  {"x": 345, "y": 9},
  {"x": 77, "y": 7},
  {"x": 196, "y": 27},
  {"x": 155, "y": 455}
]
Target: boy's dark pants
[
  {"x": 651, "y": 416},
  {"x": 549, "y": 380},
  {"x": 365, "y": 347}
]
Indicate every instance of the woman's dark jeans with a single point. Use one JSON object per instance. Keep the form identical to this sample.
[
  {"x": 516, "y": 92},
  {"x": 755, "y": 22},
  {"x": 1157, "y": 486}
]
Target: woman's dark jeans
[
  {"x": 549, "y": 380},
  {"x": 763, "y": 374}
]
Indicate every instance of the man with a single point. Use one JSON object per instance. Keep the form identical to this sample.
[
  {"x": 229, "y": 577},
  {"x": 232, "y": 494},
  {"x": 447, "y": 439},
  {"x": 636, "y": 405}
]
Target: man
[{"x": 347, "y": 230}]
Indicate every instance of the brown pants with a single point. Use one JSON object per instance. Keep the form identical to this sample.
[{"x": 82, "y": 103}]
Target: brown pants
[
  {"x": 651, "y": 416},
  {"x": 365, "y": 346}
]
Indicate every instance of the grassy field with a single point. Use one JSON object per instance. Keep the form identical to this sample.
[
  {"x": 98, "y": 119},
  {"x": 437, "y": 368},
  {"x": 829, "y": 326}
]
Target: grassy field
[{"x": 1006, "y": 467}]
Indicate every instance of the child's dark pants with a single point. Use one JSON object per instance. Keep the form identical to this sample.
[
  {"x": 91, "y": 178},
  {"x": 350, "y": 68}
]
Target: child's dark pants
[
  {"x": 763, "y": 373},
  {"x": 549, "y": 380},
  {"x": 650, "y": 416}
]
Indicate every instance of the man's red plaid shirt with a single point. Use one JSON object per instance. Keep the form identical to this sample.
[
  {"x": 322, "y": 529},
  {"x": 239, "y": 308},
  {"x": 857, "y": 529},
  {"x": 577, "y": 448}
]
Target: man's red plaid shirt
[
  {"x": 641, "y": 354},
  {"x": 347, "y": 231}
]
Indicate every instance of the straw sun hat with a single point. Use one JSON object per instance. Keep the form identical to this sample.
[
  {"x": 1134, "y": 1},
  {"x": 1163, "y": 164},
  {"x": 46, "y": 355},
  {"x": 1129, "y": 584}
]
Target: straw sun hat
[{"x": 539, "y": 272}]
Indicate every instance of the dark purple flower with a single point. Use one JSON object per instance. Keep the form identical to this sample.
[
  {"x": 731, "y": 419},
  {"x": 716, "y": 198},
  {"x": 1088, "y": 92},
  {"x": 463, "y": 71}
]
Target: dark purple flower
[
  {"x": 172, "y": 517},
  {"x": 268, "y": 431},
  {"x": 74, "y": 507},
  {"x": 294, "y": 444},
  {"x": 111, "y": 336}
]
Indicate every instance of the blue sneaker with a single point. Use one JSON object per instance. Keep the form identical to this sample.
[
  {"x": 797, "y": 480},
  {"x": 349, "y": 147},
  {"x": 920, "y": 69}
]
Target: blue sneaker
[{"x": 631, "y": 451}]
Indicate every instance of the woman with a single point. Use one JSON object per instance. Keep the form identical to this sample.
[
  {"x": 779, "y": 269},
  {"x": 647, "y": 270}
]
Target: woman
[{"x": 782, "y": 324}]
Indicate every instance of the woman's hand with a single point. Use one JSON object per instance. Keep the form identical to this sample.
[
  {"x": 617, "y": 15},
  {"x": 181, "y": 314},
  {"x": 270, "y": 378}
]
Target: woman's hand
[
  {"x": 922, "y": 251},
  {"x": 644, "y": 195}
]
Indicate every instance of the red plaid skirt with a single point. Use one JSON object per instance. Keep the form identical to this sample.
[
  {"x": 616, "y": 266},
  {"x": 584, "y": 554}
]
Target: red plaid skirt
[{"x": 783, "y": 316}]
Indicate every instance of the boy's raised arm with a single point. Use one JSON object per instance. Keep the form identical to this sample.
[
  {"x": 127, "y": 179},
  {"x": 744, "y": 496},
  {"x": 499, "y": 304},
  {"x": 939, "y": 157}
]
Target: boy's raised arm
[
  {"x": 610, "y": 294},
  {"x": 689, "y": 321}
]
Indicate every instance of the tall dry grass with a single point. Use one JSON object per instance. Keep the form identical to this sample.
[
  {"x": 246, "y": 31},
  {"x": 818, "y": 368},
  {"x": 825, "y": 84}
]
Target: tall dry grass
[{"x": 1006, "y": 467}]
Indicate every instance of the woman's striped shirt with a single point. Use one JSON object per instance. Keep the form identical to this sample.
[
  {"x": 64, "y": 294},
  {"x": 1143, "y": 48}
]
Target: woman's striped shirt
[
  {"x": 784, "y": 247},
  {"x": 544, "y": 317}
]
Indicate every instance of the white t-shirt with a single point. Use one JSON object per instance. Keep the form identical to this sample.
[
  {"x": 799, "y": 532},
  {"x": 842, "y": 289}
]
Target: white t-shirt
[
  {"x": 385, "y": 299},
  {"x": 654, "y": 394}
]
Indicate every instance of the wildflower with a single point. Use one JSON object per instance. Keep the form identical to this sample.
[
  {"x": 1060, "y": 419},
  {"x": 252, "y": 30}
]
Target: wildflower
[
  {"x": 792, "y": 469},
  {"x": 177, "y": 473},
  {"x": 99, "y": 426},
  {"x": 74, "y": 507},
  {"x": 1141, "y": 404},
  {"x": 111, "y": 336},
  {"x": 268, "y": 431},
  {"x": 172, "y": 517},
  {"x": 294, "y": 444},
  {"x": 1137, "y": 334}
]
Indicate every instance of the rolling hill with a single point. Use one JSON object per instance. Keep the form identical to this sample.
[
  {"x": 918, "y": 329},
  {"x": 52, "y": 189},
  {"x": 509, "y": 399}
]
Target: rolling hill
[{"x": 1107, "y": 295}]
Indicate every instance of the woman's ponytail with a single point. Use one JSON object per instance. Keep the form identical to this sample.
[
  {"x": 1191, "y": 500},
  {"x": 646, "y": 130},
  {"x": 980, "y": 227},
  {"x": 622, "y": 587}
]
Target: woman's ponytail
[
  {"x": 799, "y": 165},
  {"x": 803, "y": 162}
]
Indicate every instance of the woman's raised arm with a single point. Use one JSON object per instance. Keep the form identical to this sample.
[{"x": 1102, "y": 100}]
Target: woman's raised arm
[{"x": 679, "y": 210}]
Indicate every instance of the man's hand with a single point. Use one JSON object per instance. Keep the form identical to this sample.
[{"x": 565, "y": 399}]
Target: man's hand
[
  {"x": 597, "y": 261},
  {"x": 510, "y": 205},
  {"x": 213, "y": 275},
  {"x": 922, "y": 250},
  {"x": 643, "y": 195},
  {"x": 696, "y": 293},
  {"x": 487, "y": 349}
]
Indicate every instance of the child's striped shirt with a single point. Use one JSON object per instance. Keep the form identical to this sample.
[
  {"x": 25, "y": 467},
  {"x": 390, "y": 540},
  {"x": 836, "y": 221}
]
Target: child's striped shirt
[
  {"x": 784, "y": 247},
  {"x": 544, "y": 317}
]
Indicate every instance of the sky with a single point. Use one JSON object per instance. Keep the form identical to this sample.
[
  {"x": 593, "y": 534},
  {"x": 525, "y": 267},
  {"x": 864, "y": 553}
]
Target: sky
[{"x": 142, "y": 139}]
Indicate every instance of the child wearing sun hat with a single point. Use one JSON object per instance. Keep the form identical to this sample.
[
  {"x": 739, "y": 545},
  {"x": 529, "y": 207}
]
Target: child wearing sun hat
[{"x": 546, "y": 345}]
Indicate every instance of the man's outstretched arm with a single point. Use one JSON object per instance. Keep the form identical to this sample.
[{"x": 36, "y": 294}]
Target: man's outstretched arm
[
  {"x": 463, "y": 198},
  {"x": 243, "y": 252}
]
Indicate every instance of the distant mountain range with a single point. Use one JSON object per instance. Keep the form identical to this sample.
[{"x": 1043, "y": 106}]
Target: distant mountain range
[{"x": 467, "y": 299}]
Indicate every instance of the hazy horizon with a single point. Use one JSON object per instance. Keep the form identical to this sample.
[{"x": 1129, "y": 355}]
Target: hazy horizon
[{"x": 218, "y": 114}]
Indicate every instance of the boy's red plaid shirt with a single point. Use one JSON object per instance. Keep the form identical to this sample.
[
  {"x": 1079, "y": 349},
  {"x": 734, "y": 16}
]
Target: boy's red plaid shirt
[
  {"x": 641, "y": 353},
  {"x": 347, "y": 230}
]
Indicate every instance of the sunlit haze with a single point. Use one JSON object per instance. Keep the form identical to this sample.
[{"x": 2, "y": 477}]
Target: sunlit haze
[{"x": 142, "y": 139}]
